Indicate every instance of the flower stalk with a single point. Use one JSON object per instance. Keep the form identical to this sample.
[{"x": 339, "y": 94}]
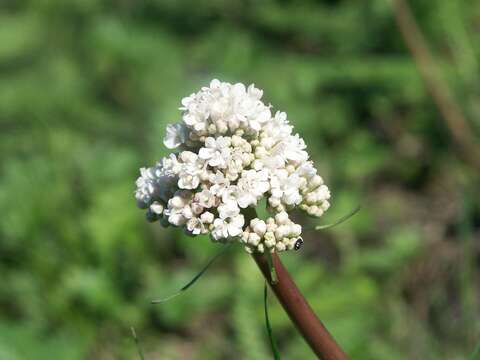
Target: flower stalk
[{"x": 313, "y": 331}]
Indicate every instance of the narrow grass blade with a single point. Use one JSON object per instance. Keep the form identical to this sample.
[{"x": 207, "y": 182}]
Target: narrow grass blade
[
  {"x": 195, "y": 278},
  {"x": 276, "y": 354},
  {"x": 339, "y": 221},
  {"x": 137, "y": 343},
  {"x": 273, "y": 272}
]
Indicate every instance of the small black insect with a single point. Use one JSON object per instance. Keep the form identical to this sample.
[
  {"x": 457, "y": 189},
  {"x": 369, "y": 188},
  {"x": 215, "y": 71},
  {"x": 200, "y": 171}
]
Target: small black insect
[{"x": 298, "y": 244}]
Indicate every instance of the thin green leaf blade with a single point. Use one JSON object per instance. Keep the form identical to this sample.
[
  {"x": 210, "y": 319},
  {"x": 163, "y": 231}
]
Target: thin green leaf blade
[
  {"x": 195, "y": 278},
  {"x": 339, "y": 221},
  {"x": 137, "y": 343},
  {"x": 273, "y": 344},
  {"x": 271, "y": 267}
]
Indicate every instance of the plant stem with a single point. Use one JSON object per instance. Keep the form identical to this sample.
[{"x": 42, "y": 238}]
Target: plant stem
[
  {"x": 297, "y": 308},
  {"x": 435, "y": 84}
]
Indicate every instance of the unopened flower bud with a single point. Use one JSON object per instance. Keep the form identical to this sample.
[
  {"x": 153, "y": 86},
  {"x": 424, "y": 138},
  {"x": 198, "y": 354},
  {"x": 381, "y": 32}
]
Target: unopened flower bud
[
  {"x": 282, "y": 231},
  {"x": 260, "y": 152},
  {"x": 156, "y": 208},
  {"x": 207, "y": 217},
  {"x": 273, "y": 201},
  {"x": 177, "y": 202},
  {"x": 281, "y": 218},
  {"x": 296, "y": 229},
  {"x": 316, "y": 181},
  {"x": 260, "y": 227},
  {"x": 253, "y": 239}
]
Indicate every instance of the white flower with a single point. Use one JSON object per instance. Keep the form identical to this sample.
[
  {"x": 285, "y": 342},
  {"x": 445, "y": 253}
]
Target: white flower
[
  {"x": 229, "y": 223},
  {"x": 175, "y": 216},
  {"x": 189, "y": 176},
  {"x": 228, "y": 209},
  {"x": 216, "y": 151},
  {"x": 286, "y": 187},
  {"x": 178, "y": 210},
  {"x": 251, "y": 187},
  {"x": 261, "y": 118},
  {"x": 195, "y": 226},
  {"x": 219, "y": 183},
  {"x": 187, "y": 101},
  {"x": 228, "y": 227},
  {"x": 231, "y": 194},
  {"x": 146, "y": 187},
  {"x": 308, "y": 171},
  {"x": 205, "y": 198},
  {"x": 175, "y": 136},
  {"x": 197, "y": 122},
  {"x": 293, "y": 149},
  {"x": 155, "y": 183},
  {"x": 169, "y": 166},
  {"x": 234, "y": 152},
  {"x": 207, "y": 217}
]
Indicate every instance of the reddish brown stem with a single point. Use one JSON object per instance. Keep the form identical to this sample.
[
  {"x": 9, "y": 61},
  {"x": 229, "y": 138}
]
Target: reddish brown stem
[{"x": 301, "y": 314}]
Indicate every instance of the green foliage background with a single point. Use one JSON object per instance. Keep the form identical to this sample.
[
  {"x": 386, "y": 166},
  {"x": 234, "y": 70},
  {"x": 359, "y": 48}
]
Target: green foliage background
[{"x": 86, "y": 90}]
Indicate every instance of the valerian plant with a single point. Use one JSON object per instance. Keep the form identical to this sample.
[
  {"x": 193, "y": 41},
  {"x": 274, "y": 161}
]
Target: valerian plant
[{"x": 230, "y": 151}]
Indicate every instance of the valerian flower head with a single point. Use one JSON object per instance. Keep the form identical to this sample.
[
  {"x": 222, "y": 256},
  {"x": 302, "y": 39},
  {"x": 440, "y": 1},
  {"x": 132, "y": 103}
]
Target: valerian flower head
[{"x": 231, "y": 152}]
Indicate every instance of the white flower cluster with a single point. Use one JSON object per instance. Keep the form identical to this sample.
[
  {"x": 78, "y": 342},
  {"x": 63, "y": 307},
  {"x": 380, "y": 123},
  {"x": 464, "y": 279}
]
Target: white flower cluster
[{"x": 232, "y": 152}]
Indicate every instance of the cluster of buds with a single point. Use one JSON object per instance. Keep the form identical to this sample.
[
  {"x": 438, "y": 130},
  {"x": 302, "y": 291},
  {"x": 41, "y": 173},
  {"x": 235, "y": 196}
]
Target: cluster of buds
[
  {"x": 277, "y": 233},
  {"x": 231, "y": 152}
]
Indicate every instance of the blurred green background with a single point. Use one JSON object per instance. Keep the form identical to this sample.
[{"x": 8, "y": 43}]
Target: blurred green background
[{"x": 86, "y": 90}]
